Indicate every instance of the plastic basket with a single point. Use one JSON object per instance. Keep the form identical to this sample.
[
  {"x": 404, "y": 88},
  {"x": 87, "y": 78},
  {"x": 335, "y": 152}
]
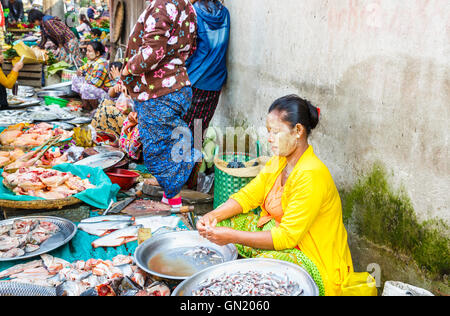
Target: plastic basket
[
  {"x": 66, "y": 75},
  {"x": 226, "y": 185}
]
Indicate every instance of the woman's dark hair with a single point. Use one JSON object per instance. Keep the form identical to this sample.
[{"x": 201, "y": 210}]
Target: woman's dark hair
[
  {"x": 98, "y": 47},
  {"x": 84, "y": 19},
  {"x": 117, "y": 64},
  {"x": 296, "y": 110},
  {"x": 96, "y": 32},
  {"x": 35, "y": 15}
]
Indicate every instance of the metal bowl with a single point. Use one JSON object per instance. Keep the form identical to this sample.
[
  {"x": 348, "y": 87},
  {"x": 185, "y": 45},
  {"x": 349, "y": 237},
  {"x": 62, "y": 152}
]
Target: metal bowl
[
  {"x": 51, "y": 93},
  {"x": 67, "y": 231},
  {"x": 176, "y": 243},
  {"x": 278, "y": 267},
  {"x": 103, "y": 160}
]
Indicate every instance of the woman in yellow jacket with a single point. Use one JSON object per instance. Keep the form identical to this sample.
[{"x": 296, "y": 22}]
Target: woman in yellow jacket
[
  {"x": 7, "y": 81},
  {"x": 301, "y": 219}
]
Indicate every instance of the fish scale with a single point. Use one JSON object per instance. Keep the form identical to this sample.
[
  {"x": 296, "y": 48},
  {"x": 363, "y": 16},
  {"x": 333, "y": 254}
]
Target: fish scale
[{"x": 8, "y": 288}]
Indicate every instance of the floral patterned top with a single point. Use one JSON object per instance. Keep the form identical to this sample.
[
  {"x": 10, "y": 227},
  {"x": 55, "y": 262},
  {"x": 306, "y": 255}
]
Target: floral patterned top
[{"x": 159, "y": 45}]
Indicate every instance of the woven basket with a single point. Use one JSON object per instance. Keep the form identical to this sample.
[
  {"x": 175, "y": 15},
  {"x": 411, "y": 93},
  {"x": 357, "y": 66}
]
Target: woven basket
[
  {"x": 66, "y": 75},
  {"x": 118, "y": 21},
  {"x": 39, "y": 204},
  {"x": 226, "y": 184}
]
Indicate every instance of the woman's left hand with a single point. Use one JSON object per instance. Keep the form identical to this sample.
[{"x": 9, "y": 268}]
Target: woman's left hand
[{"x": 219, "y": 235}]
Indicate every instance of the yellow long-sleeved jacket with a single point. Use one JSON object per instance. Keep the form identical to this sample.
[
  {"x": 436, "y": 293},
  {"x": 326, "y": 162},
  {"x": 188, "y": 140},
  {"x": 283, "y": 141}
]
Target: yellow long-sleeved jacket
[
  {"x": 312, "y": 219},
  {"x": 8, "y": 81}
]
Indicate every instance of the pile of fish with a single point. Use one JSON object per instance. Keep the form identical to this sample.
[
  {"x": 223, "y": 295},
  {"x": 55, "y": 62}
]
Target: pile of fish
[
  {"x": 201, "y": 252},
  {"x": 34, "y": 135},
  {"x": 117, "y": 230},
  {"x": 18, "y": 159},
  {"x": 45, "y": 183},
  {"x": 24, "y": 236},
  {"x": 248, "y": 284},
  {"x": 116, "y": 277}
]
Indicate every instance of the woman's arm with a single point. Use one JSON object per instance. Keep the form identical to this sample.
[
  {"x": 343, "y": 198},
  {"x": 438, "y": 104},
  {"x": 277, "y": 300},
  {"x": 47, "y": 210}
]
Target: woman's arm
[{"x": 223, "y": 235}]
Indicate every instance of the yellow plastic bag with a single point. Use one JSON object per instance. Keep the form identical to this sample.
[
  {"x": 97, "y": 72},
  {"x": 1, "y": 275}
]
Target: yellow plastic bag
[
  {"x": 31, "y": 55},
  {"x": 359, "y": 284}
]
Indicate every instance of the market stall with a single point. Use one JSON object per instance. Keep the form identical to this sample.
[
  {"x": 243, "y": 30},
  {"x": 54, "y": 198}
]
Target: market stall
[{"x": 81, "y": 214}]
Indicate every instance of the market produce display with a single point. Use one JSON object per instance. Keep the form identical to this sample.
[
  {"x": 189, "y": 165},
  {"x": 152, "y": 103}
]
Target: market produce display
[
  {"x": 117, "y": 277},
  {"x": 45, "y": 183},
  {"x": 24, "y": 236},
  {"x": 22, "y": 135}
]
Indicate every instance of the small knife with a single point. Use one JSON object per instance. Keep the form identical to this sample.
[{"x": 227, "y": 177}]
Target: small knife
[
  {"x": 174, "y": 210},
  {"x": 119, "y": 207}
]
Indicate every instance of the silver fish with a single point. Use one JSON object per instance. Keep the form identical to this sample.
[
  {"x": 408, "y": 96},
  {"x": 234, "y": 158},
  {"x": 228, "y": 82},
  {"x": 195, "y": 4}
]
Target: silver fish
[
  {"x": 70, "y": 288},
  {"x": 103, "y": 228},
  {"x": 19, "y": 289},
  {"x": 248, "y": 284},
  {"x": 118, "y": 238},
  {"x": 107, "y": 218}
]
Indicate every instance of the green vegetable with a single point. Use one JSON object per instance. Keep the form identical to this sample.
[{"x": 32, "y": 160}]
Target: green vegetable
[
  {"x": 53, "y": 69},
  {"x": 10, "y": 53}
]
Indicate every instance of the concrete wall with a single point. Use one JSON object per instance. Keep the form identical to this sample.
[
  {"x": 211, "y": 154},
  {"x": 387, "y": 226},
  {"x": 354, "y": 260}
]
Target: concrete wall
[{"x": 379, "y": 71}]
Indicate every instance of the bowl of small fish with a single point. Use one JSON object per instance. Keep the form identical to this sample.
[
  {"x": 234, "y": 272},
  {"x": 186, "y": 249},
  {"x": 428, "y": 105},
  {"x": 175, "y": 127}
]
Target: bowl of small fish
[
  {"x": 178, "y": 255},
  {"x": 250, "y": 277}
]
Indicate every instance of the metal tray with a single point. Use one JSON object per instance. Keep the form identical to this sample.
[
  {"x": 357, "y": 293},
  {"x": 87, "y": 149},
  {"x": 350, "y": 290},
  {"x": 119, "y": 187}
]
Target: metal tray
[
  {"x": 278, "y": 267},
  {"x": 66, "y": 233},
  {"x": 170, "y": 243},
  {"x": 103, "y": 160},
  {"x": 27, "y": 102}
]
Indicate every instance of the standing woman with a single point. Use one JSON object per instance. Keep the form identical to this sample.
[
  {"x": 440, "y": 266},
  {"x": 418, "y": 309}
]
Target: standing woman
[
  {"x": 207, "y": 68},
  {"x": 59, "y": 33},
  {"x": 157, "y": 81}
]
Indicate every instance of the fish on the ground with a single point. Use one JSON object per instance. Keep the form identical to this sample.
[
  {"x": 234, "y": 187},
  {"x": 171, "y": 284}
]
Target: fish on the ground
[
  {"x": 20, "y": 289},
  {"x": 118, "y": 238},
  {"x": 107, "y": 218},
  {"x": 103, "y": 228},
  {"x": 94, "y": 277}
]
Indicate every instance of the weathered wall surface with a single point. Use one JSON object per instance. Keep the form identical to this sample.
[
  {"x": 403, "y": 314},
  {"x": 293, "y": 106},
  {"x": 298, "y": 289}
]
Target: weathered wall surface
[{"x": 379, "y": 70}]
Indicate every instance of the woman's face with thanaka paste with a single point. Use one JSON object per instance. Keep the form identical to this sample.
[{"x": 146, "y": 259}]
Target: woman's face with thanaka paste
[{"x": 282, "y": 137}]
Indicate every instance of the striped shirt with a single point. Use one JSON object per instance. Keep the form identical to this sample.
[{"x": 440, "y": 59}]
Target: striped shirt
[
  {"x": 96, "y": 73},
  {"x": 55, "y": 30}
]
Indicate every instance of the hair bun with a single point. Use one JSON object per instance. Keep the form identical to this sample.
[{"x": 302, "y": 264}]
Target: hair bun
[{"x": 314, "y": 115}]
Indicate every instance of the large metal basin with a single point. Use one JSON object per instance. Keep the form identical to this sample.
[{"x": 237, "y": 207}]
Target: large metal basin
[
  {"x": 169, "y": 249},
  {"x": 278, "y": 267}
]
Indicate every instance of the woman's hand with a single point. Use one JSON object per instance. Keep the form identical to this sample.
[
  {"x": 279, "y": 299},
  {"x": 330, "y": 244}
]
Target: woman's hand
[
  {"x": 207, "y": 220},
  {"x": 18, "y": 66},
  {"x": 115, "y": 72},
  {"x": 220, "y": 235}
]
